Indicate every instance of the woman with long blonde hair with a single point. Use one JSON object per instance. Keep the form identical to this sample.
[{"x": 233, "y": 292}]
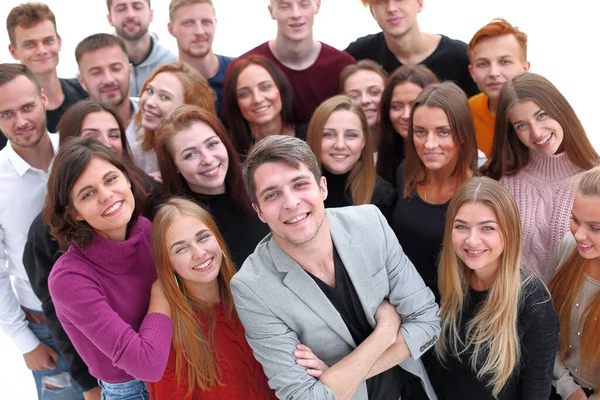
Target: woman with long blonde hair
[
  {"x": 210, "y": 358},
  {"x": 573, "y": 277},
  {"x": 499, "y": 329},
  {"x": 339, "y": 136}
]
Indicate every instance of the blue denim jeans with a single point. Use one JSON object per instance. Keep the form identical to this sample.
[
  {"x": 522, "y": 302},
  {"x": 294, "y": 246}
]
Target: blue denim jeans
[
  {"x": 132, "y": 390},
  {"x": 57, "y": 377}
]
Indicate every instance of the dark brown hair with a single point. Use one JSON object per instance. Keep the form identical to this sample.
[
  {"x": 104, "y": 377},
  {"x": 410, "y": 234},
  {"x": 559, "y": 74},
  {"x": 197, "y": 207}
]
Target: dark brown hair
[
  {"x": 180, "y": 118},
  {"x": 236, "y": 123},
  {"x": 391, "y": 145},
  {"x": 70, "y": 162},
  {"x": 27, "y": 15},
  {"x": 10, "y": 71},
  {"x": 96, "y": 42},
  {"x": 450, "y": 98},
  {"x": 509, "y": 155}
]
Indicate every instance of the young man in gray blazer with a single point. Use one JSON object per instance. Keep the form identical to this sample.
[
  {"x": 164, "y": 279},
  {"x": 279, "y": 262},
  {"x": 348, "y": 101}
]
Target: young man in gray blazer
[{"x": 336, "y": 281}]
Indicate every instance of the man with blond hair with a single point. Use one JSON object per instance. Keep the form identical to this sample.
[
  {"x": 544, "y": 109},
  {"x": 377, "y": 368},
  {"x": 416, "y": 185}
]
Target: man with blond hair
[
  {"x": 497, "y": 53},
  {"x": 34, "y": 41},
  {"x": 193, "y": 23},
  {"x": 131, "y": 19}
]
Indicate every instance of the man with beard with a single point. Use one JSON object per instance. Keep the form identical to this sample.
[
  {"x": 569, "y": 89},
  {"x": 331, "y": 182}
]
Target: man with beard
[
  {"x": 131, "y": 19},
  {"x": 193, "y": 24},
  {"x": 36, "y": 44},
  {"x": 105, "y": 74},
  {"x": 24, "y": 165}
]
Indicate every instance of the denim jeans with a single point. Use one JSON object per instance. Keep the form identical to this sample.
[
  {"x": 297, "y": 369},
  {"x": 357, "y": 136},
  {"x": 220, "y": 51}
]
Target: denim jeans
[
  {"x": 58, "y": 377},
  {"x": 132, "y": 390}
]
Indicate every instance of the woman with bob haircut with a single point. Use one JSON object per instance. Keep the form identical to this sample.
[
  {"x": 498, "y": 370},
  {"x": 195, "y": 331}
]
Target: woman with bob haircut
[
  {"x": 363, "y": 82},
  {"x": 85, "y": 118},
  {"x": 122, "y": 335},
  {"x": 210, "y": 357},
  {"x": 499, "y": 329},
  {"x": 441, "y": 153},
  {"x": 169, "y": 86},
  {"x": 573, "y": 277},
  {"x": 258, "y": 101},
  {"x": 197, "y": 160},
  {"x": 401, "y": 90},
  {"x": 339, "y": 136},
  {"x": 539, "y": 147}
]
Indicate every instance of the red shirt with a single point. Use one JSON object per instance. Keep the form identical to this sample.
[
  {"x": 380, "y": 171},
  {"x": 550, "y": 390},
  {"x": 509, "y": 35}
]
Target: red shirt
[
  {"x": 241, "y": 374},
  {"x": 314, "y": 84}
]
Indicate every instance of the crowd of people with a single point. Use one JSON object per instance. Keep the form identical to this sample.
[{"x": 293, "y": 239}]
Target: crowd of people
[{"x": 411, "y": 218}]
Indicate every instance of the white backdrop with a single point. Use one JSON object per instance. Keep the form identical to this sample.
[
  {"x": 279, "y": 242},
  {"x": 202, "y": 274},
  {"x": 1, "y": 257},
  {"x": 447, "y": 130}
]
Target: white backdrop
[{"x": 562, "y": 47}]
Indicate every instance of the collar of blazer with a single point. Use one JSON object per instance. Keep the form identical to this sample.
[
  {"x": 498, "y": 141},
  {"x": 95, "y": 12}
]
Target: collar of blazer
[{"x": 359, "y": 270}]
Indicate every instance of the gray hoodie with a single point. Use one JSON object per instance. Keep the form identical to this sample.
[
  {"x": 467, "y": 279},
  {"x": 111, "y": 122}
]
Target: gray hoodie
[{"x": 159, "y": 55}]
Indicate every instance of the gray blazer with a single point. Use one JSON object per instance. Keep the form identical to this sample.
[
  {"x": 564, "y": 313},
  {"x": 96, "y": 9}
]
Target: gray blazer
[{"x": 281, "y": 306}]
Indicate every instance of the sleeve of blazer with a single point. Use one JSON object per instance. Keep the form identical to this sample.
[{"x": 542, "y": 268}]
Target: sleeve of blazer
[
  {"x": 413, "y": 300},
  {"x": 273, "y": 343},
  {"x": 41, "y": 252}
]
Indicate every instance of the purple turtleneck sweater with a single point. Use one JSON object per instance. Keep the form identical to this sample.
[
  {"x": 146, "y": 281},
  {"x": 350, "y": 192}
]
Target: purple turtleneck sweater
[{"x": 101, "y": 293}]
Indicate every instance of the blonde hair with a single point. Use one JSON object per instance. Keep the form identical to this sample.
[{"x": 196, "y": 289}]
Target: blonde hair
[
  {"x": 491, "y": 334},
  {"x": 361, "y": 180},
  {"x": 193, "y": 349},
  {"x": 566, "y": 284}
]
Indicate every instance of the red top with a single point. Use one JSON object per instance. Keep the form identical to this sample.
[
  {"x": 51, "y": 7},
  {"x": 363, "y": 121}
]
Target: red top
[
  {"x": 314, "y": 84},
  {"x": 242, "y": 376}
]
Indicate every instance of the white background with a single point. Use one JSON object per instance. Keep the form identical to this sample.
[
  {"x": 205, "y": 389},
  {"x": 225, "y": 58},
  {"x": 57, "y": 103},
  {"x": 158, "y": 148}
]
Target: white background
[{"x": 563, "y": 46}]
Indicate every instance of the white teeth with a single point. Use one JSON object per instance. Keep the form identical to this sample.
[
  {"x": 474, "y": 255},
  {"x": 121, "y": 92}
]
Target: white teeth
[
  {"x": 210, "y": 172},
  {"x": 541, "y": 142},
  {"x": 113, "y": 208},
  {"x": 203, "y": 265},
  {"x": 474, "y": 252},
  {"x": 259, "y": 110},
  {"x": 338, "y": 157},
  {"x": 299, "y": 218}
]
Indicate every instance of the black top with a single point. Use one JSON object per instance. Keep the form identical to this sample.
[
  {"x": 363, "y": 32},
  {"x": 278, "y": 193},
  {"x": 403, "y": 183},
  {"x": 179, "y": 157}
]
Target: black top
[
  {"x": 449, "y": 61},
  {"x": 39, "y": 256},
  {"x": 3, "y": 140},
  {"x": 73, "y": 93},
  {"x": 537, "y": 327},
  {"x": 384, "y": 196},
  {"x": 240, "y": 232},
  {"x": 387, "y": 385},
  {"x": 419, "y": 227}
]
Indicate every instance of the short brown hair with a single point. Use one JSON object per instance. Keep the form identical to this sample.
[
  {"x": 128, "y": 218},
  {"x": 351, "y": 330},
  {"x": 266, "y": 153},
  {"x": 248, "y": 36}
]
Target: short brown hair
[
  {"x": 288, "y": 149},
  {"x": 498, "y": 27},
  {"x": 450, "y": 98},
  {"x": 10, "y": 71},
  {"x": 175, "y": 4},
  {"x": 109, "y": 4},
  {"x": 362, "y": 65},
  {"x": 96, "y": 42},
  {"x": 72, "y": 159},
  {"x": 27, "y": 15}
]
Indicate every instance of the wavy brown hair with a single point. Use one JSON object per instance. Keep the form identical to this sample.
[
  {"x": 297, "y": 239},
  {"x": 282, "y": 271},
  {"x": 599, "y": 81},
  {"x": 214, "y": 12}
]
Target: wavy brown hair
[
  {"x": 491, "y": 334},
  {"x": 193, "y": 346},
  {"x": 196, "y": 91},
  {"x": 450, "y": 98},
  {"x": 361, "y": 181},
  {"x": 71, "y": 161},
  {"x": 567, "y": 284},
  {"x": 183, "y": 117},
  {"x": 509, "y": 155}
]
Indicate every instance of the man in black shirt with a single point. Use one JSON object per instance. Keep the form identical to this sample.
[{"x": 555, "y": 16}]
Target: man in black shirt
[
  {"x": 402, "y": 43},
  {"x": 334, "y": 280},
  {"x": 36, "y": 44}
]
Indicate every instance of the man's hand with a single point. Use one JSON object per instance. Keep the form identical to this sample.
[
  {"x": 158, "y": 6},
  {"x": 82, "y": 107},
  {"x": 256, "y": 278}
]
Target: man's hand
[
  {"x": 307, "y": 359},
  {"x": 388, "y": 319},
  {"x": 93, "y": 394},
  {"x": 41, "y": 358}
]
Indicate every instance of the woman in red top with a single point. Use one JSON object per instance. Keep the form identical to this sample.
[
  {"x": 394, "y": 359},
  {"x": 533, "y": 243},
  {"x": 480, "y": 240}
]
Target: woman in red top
[{"x": 210, "y": 358}]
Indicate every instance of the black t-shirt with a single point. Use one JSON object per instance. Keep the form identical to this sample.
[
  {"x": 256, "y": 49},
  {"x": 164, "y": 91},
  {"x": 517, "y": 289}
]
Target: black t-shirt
[
  {"x": 449, "y": 61},
  {"x": 73, "y": 93},
  {"x": 419, "y": 227},
  {"x": 389, "y": 384}
]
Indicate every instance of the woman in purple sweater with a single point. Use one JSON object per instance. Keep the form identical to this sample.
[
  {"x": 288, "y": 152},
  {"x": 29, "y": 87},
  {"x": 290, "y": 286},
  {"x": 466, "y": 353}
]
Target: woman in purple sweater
[{"x": 104, "y": 287}]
